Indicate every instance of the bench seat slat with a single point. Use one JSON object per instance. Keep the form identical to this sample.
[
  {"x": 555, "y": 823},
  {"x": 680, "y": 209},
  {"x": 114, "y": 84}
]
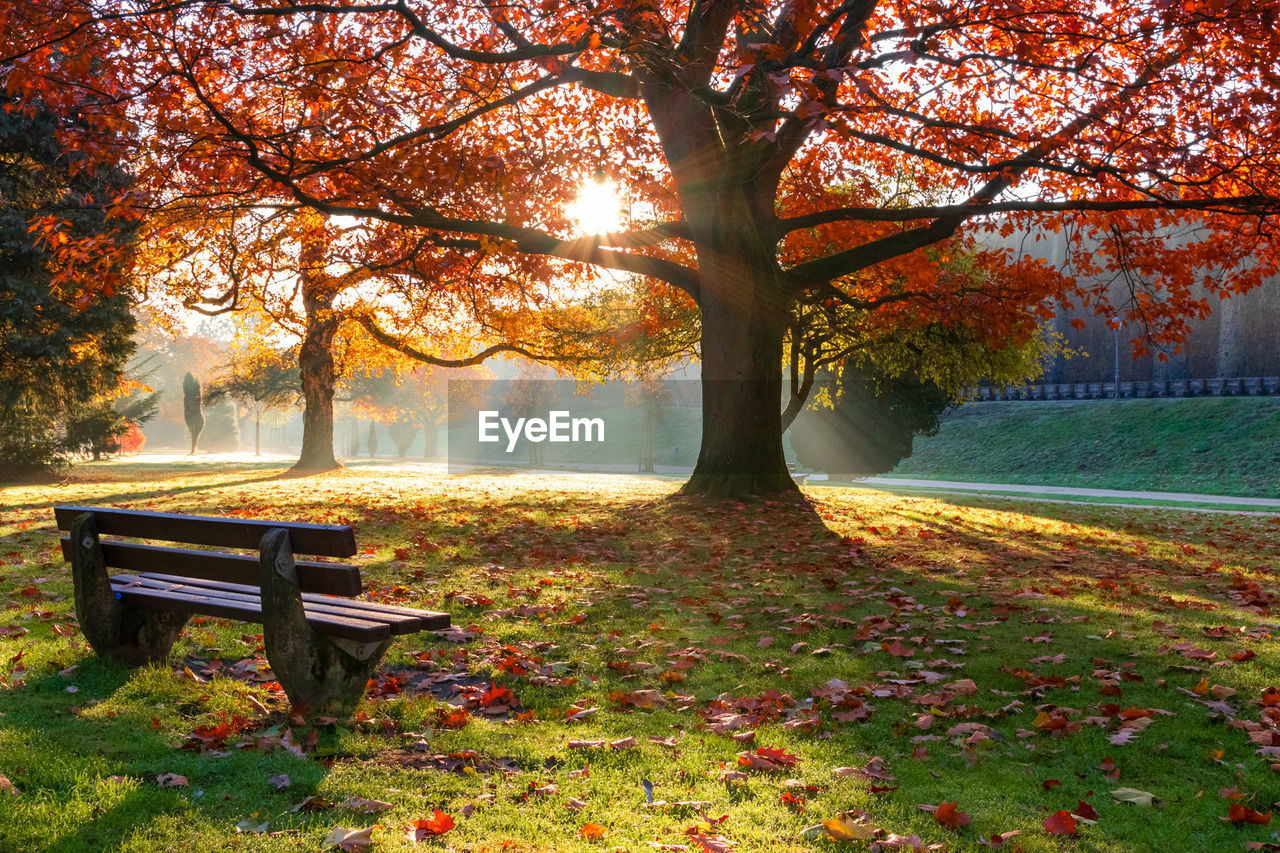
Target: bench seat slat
[
  {"x": 330, "y": 607},
  {"x": 211, "y": 603},
  {"x": 330, "y": 578},
  {"x": 398, "y": 623},
  {"x": 328, "y": 540},
  {"x": 429, "y": 620}
]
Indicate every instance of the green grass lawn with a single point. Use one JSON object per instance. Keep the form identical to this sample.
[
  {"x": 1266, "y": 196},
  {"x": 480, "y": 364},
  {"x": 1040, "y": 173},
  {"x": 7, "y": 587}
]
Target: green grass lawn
[
  {"x": 1224, "y": 446},
  {"x": 873, "y": 653}
]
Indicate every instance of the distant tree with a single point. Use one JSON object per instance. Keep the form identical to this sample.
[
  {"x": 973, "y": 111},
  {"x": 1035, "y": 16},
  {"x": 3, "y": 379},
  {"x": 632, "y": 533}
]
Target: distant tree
[
  {"x": 66, "y": 332},
  {"x": 101, "y": 426},
  {"x": 649, "y": 395},
  {"x": 407, "y": 397},
  {"x": 871, "y": 427},
  {"x": 191, "y": 409},
  {"x": 221, "y": 431},
  {"x": 402, "y": 433},
  {"x": 875, "y": 395},
  {"x": 261, "y": 380},
  {"x": 373, "y": 438},
  {"x": 527, "y": 396}
]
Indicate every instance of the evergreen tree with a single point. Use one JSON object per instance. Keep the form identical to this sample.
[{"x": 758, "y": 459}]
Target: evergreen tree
[
  {"x": 65, "y": 336},
  {"x": 191, "y": 409}
]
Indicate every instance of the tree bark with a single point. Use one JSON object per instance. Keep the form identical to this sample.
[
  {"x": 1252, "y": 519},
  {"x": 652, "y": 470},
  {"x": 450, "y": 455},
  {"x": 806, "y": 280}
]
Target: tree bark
[
  {"x": 742, "y": 337},
  {"x": 316, "y": 372}
]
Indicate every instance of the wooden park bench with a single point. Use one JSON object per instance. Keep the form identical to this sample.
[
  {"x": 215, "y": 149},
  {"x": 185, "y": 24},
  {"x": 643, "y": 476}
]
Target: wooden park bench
[{"x": 322, "y": 645}]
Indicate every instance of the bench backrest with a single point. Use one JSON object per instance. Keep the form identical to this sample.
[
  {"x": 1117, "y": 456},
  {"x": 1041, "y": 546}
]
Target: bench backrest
[{"x": 326, "y": 540}]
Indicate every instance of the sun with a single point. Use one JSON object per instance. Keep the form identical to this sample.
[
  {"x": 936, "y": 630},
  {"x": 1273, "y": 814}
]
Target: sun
[{"x": 598, "y": 208}]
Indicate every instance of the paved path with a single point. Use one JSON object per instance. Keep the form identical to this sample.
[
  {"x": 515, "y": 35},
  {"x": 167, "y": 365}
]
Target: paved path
[{"x": 1067, "y": 492}]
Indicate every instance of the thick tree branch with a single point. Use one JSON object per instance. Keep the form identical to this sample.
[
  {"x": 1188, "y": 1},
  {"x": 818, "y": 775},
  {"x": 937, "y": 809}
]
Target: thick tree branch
[
  {"x": 1248, "y": 205},
  {"x": 704, "y": 35},
  {"x": 392, "y": 342}
]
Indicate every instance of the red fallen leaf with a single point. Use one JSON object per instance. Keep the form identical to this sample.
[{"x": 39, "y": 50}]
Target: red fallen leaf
[
  {"x": 897, "y": 649},
  {"x": 497, "y": 694},
  {"x": 711, "y": 843},
  {"x": 1239, "y": 813},
  {"x": 1244, "y": 655},
  {"x": 949, "y": 817},
  {"x": 1050, "y": 784},
  {"x": 997, "y": 840},
  {"x": 881, "y": 789},
  {"x": 796, "y": 801},
  {"x": 767, "y": 758},
  {"x": 402, "y": 553},
  {"x": 1085, "y": 810},
  {"x": 438, "y": 824},
  {"x": 1060, "y": 823},
  {"x": 454, "y": 718},
  {"x": 592, "y": 831}
]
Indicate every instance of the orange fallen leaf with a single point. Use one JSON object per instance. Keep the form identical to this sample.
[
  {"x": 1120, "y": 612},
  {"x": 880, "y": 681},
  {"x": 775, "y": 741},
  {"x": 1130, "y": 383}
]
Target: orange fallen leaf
[
  {"x": 949, "y": 817},
  {"x": 1239, "y": 813}
]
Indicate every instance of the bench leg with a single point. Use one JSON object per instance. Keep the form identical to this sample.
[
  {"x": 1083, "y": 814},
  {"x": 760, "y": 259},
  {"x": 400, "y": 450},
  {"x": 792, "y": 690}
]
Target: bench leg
[
  {"x": 115, "y": 629},
  {"x": 321, "y": 675}
]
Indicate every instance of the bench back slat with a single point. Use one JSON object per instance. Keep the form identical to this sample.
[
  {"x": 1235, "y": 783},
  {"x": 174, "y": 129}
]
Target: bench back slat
[
  {"x": 327, "y": 578},
  {"x": 325, "y": 540}
]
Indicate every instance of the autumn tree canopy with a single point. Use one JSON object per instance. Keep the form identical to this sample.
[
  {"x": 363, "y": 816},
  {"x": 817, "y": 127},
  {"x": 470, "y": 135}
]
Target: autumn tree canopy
[{"x": 470, "y": 127}]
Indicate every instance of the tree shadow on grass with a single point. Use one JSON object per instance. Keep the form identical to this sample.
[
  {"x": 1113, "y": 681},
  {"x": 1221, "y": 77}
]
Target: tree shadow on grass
[{"x": 162, "y": 490}]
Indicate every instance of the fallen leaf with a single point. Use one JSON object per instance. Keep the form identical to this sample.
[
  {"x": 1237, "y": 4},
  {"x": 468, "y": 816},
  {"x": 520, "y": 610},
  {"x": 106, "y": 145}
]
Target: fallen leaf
[
  {"x": 1133, "y": 795},
  {"x": 592, "y": 831},
  {"x": 947, "y": 815},
  {"x": 997, "y": 840},
  {"x": 1240, "y": 813},
  {"x": 363, "y": 805},
  {"x": 349, "y": 839},
  {"x": 849, "y": 826},
  {"x": 1060, "y": 823},
  {"x": 1084, "y": 810},
  {"x": 438, "y": 824}
]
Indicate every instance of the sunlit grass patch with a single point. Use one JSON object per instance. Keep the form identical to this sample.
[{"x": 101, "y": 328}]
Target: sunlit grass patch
[{"x": 981, "y": 652}]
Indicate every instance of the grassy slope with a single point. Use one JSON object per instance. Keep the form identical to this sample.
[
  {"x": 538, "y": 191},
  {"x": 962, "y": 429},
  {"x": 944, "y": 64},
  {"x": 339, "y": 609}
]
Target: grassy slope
[
  {"x": 597, "y": 588},
  {"x": 1213, "y": 446}
]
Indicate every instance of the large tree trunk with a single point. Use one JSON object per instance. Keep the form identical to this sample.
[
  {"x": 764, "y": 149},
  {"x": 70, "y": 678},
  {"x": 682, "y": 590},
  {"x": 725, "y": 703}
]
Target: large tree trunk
[
  {"x": 315, "y": 369},
  {"x": 742, "y": 334}
]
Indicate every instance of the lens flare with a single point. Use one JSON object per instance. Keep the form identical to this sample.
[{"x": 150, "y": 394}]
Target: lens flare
[{"x": 597, "y": 209}]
